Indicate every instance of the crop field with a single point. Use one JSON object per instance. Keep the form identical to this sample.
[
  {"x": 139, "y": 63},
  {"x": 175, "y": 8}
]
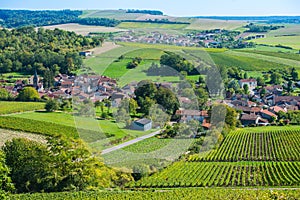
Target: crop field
[
  {"x": 208, "y": 24},
  {"x": 290, "y": 56},
  {"x": 84, "y": 29},
  {"x": 224, "y": 174},
  {"x": 169, "y": 194},
  {"x": 100, "y": 62},
  {"x": 138, "y": 25},
  {"x": 259, "y": 47},
  {"x": 243, "y": 62},
  {"x": 8, "y": 107},
  {"x": 290, "y": 41},
  {"x": 96, "y": 132},
  {"x": 115, "y": 14},
  {"x": 290, "y": 29},
  {"x": 247, "y": 157},
  {"x": 259, "y": 145},
  {"x": 6, "y": 135}
]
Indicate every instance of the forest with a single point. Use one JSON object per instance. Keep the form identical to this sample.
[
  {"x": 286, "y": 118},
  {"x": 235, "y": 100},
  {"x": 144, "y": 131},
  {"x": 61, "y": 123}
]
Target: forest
[{"x": 24, "y": 49}]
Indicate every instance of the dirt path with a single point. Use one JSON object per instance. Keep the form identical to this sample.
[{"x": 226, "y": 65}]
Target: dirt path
[
  {"x": 107, "y": 46},
  {"x": 125, "y": 144}
]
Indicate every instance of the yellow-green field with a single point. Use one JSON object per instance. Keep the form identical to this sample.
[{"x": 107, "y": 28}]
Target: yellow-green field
[
  {"x": 134, "y": 25},
  {"x": 290, "y": 41}
]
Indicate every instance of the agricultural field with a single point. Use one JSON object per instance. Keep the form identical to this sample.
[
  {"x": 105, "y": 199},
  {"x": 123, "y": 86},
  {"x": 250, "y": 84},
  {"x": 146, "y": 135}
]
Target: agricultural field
[
  {"x": 138, "y": 25},
  {"x": 169, "y": 194},
  {"x": 290, "y": 41},
  {"x": 84, "y": 29},
  {"x": 290, "y": 29},
  {"x": 285, "y": 55},
  {"x": 208, "y": 24},
  {"x": 247, "y": 157},
  {"x": 6, "y": 135},
  {"x": 8, "y": 107},
  {"x": 259, "y": 145},
  {"x": 224, "y": 174},
  {"x": 98, "y": 133}
]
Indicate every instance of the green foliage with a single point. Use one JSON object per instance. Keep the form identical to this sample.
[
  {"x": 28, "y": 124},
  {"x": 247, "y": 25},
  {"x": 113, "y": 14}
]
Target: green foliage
[
  {"x": 28, "y": 163},
  {"x": 176, "y": 62},
  {"x": 62, "y": 165},
  {"x": 224, "y": 174},
  {"x": 257, "y": 28},
  {"x": 47, "y": 51},
  {"x": 5, "y": 179},
  {"x": 99, "y": 22},
  {"x": 35, "y": 126},
  {"x": 51, "y": 105},
  {"x": 259, "y": 145},
  {"x": 28, "y": 94},
  {"x": 8, "y": 107},
  {"x": 182, "y": 193}
]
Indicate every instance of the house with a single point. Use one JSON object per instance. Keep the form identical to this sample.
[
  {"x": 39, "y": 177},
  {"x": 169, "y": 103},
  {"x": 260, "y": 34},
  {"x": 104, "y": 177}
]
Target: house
[
  {"x": 277, "y": 109},
  {"x": 188, "y": 115},
  {"x": 116, "y": 98},
  {"x": 249, "y": 119},
  {"x": 252, "y": 83},
  {"x": 85, "y": 53},
  {"x": 142, "y": 124},
  {"x": 267, "y": 114}
]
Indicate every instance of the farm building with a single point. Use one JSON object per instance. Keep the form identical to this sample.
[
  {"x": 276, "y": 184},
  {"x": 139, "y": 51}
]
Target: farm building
[{"x": 142, "y": 124}]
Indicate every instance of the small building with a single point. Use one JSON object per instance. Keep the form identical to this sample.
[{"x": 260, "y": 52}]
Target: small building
[
  {"x": 250, "y": 119},
  {"x": 86, "y": 53},
  {"x": 142, "y": 124},
  {"x": 252, "y": 83},
  {"x": 267, "y": 114}
]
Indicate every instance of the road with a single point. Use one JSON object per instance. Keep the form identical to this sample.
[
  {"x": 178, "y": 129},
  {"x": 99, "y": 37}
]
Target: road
[{"x": 125, "y": 144}]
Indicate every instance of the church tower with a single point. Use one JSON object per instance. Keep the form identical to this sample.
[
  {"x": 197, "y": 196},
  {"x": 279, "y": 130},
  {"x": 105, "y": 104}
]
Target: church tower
[{"x": 35, "y": 80}]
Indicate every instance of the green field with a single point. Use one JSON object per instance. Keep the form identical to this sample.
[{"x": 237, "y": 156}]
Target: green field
[
  {"x": 290, "y": 41},
  {"x": 169, "y": 194},
  {"x": 96, "y": 132},
  {"x": 285, "y": 55},
  {"x": 8, "y": 107},
  {"x": 246, "y": 157},
  {"x": 290, "y": 29},
  {"x": 138, "y": 25},
  {"x": 259, "y": 145}
]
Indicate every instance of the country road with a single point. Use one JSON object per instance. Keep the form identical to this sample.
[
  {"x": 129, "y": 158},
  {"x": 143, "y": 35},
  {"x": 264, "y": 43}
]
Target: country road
[{"x": 125, "y": 144}]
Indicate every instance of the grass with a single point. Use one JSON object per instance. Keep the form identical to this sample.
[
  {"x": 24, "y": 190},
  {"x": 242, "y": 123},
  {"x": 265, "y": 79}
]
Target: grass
[
  {"x": 6, "y": 135},
  {"x": 207, "y": 24},
  {"x": 290, "y": 29},
  {"x": 8, "y": 107},
  {"x": 285, "y": 55},
  {"x": 290, "y": 41},
  {"x": 94, "y": 131},
  {"x": 148, "y": 145},
  {"x": 138, "y": 25},
  {"x": 115, "y": 14},
  {"x": 260, "y": 47}
]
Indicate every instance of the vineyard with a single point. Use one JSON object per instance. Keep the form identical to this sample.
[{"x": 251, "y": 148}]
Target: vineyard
[
  {"x": 247, "y": 157},
  {"x": 184, "y": 193},
  {"x": 224, "y": 174},
  {"x": 7, "y": 107},
  {"x": 48, "y": 128},
  {"x": 258, "y": 146}
]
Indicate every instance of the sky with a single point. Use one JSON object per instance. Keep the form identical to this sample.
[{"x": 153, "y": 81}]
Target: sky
[{"x": 169, "y": 7}]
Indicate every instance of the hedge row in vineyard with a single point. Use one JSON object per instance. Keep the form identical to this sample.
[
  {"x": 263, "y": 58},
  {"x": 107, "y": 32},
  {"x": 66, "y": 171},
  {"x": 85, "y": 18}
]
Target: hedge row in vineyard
[
  {"x": 224, "y": 174},
  {"x": 272, "y": 145},
  {"x": 48, "y": 128},
  {"x": 183, "y": 193}
]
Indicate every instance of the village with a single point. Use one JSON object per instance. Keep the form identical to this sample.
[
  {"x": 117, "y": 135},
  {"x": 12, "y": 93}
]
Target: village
[{"x": 254, "y": 109}]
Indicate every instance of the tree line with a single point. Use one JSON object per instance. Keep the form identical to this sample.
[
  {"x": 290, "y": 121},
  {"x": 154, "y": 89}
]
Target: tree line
[
  {"x": 48, "y": 51},
  {"x": 22, "y": 18}
]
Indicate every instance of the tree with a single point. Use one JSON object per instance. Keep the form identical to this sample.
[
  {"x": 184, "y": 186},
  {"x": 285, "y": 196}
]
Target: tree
[
  {"x": 167, "y": 99},
  {"x": 51, "y": 105},
  {"x": 158, "y": 116},
  {"x": 28, "y": 94},
  {"x": 294, "y": 74},
  {"x": 132, "y": 106},
  {"x": 3, "y": 94},
  {"x": 260, "y": 81},
  {"x": 275, "y": 78},
  {"x": 28, "y": 163},
  {"x": 246, "y": 88},
  {"x": 6, "y": 184}
]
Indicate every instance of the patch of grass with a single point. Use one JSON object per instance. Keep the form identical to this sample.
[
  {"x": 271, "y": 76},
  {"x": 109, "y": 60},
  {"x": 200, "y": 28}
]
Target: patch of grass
[
  {"x": 137, "y": 25},
  {"x": 8, "y": 107},
  {"x": 7, "y": 135},
  {"x": 148, "y": 145},
  {"x": 290, "y": 41},
  {"x": 286, "y": 55}
]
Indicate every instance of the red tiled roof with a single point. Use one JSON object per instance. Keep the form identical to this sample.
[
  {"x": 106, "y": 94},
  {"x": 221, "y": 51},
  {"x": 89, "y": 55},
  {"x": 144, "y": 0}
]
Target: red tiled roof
[{"x": 266, "y": 112}]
